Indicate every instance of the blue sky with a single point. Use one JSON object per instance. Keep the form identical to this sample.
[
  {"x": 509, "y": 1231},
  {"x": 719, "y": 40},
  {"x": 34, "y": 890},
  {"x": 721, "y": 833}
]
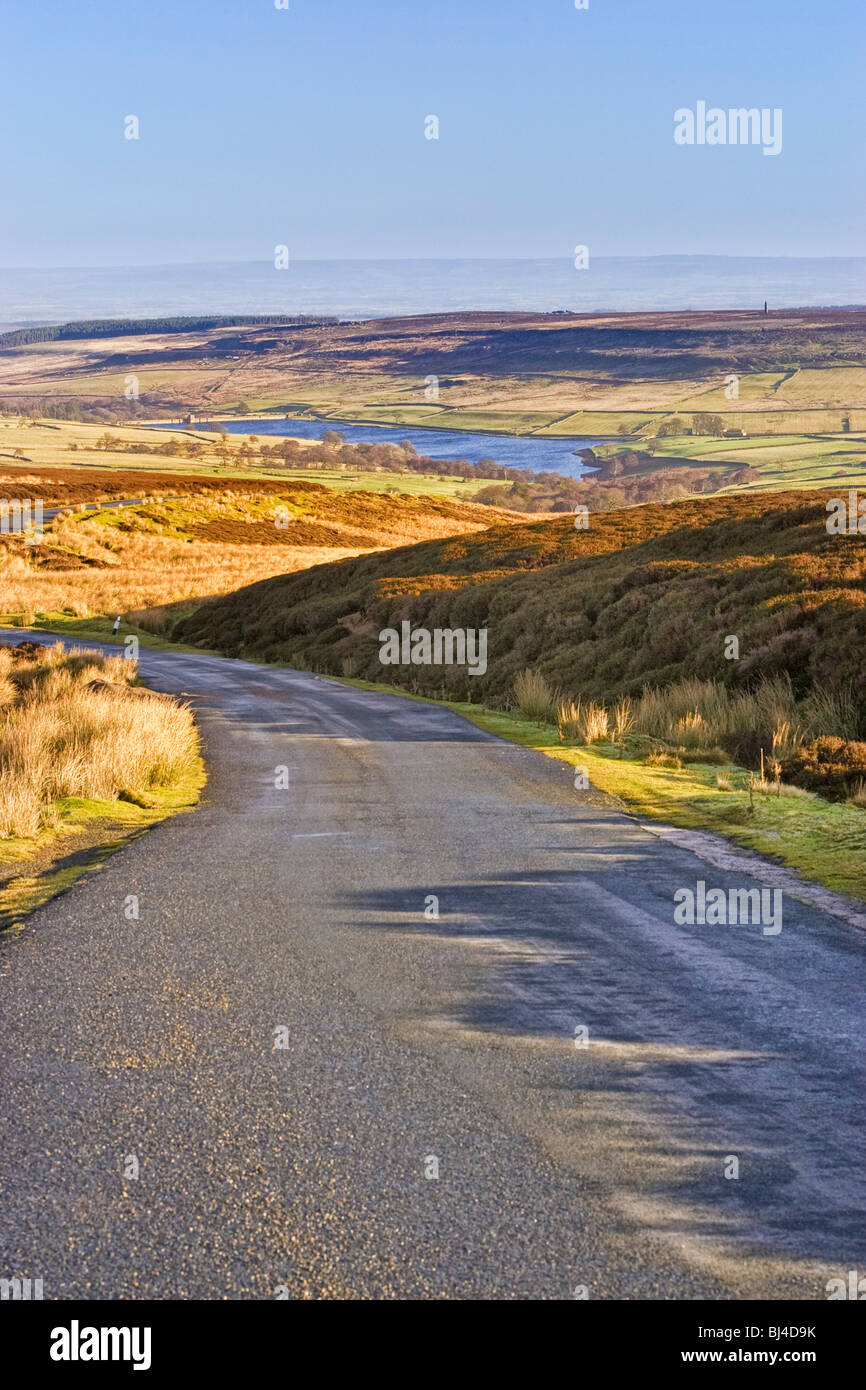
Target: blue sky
[{"x": 306, "y": 127}]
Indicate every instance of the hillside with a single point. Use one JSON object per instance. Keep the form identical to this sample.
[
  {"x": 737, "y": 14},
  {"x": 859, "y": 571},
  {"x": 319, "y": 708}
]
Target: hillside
[
  {"x": 189, "y": 537},
  {"x": 645, "y": 596}
]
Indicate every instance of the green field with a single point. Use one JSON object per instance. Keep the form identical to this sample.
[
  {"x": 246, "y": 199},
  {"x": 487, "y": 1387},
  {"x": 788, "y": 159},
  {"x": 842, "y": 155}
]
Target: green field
[
  {"x": 783, "y": 462},
  {"x": 784, "y": 401}
]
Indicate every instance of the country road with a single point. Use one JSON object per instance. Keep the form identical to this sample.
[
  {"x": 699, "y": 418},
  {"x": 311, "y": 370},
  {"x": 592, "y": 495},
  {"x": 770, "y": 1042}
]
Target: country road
[{"x": 296, "y": 914}]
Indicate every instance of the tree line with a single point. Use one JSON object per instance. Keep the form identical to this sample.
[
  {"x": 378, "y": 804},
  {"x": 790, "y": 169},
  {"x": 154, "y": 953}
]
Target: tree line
[{"x": 119, "y": 328}]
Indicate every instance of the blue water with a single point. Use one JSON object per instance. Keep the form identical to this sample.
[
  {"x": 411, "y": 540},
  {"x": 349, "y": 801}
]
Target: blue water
[
  {"x": 542, "y": 455},
  {"x": 375, "y": 289}
]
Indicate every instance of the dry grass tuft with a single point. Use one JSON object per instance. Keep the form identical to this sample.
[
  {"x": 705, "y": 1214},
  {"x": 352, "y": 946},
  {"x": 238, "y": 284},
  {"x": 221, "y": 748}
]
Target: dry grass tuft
[
  {"x": 587, "y": 723},
  {"x": 569, "y": 721},
  {"x": 623, "y": 721},
  {"x": 660, "y": 758},
  {"x": 858, "y": 794},
  {"x": 594, "y": 722},
  {"x": 72, "y": 724},
  {"x": 534, "y": 697}
]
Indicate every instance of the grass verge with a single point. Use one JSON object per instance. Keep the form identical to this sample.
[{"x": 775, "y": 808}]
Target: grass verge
[
  {"x": 36, "y": 869},
  {"x": 88, "y": 759},
  {"x": 96, "y": 629}
]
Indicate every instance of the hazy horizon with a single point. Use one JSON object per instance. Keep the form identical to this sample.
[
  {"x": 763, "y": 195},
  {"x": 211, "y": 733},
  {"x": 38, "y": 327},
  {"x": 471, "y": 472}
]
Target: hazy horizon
[
  {"x": 422, "y": 260},
  {"x": 383, "y": 288}
]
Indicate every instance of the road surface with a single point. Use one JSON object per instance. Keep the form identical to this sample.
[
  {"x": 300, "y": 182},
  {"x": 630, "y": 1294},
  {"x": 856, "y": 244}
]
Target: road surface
[{"x": 288, "y": 1044}]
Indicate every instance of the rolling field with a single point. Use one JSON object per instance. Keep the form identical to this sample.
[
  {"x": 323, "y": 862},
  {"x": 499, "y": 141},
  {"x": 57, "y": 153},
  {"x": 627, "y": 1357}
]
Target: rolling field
[{"x": 799, "y": 372}]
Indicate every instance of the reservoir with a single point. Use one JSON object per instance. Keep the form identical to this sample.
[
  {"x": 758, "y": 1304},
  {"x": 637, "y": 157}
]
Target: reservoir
[{"x": 526, "y": 451}]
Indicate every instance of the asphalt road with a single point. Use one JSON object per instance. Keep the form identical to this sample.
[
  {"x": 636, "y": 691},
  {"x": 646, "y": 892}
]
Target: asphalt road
[{"x": 296, "y": 914}]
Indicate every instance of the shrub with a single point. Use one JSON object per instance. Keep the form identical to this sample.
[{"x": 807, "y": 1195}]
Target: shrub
[{"x": 830, "y": 764}]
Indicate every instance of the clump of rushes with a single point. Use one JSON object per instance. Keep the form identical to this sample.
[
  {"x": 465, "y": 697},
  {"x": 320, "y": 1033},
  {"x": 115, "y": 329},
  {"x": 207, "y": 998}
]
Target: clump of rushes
[
  {"x": 73, "y": 724},
  {"x": 155, "y": 620},
  {"x": 623, "y": 723},
  {"x": 582, "y": 723},
  {"x": 534, "y": 698},
  {"x": 858, "y": 794},
  {"x": 568, "y": 721},
  {"x": 595, "y": 722}
]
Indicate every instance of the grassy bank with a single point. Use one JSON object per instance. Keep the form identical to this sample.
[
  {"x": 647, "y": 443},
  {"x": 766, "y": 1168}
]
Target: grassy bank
[
  {"x": 714, "y": 639},
  {"x": 645, "y": 596},
  {"x": 88, "y": 759}
]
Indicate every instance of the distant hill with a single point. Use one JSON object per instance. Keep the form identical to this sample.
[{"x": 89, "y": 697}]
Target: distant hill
[{"x": 186, "y": 323}]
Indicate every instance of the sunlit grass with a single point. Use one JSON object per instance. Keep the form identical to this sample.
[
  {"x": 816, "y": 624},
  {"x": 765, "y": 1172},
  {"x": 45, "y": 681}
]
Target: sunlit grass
[{"x": 73, "y": 725}]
